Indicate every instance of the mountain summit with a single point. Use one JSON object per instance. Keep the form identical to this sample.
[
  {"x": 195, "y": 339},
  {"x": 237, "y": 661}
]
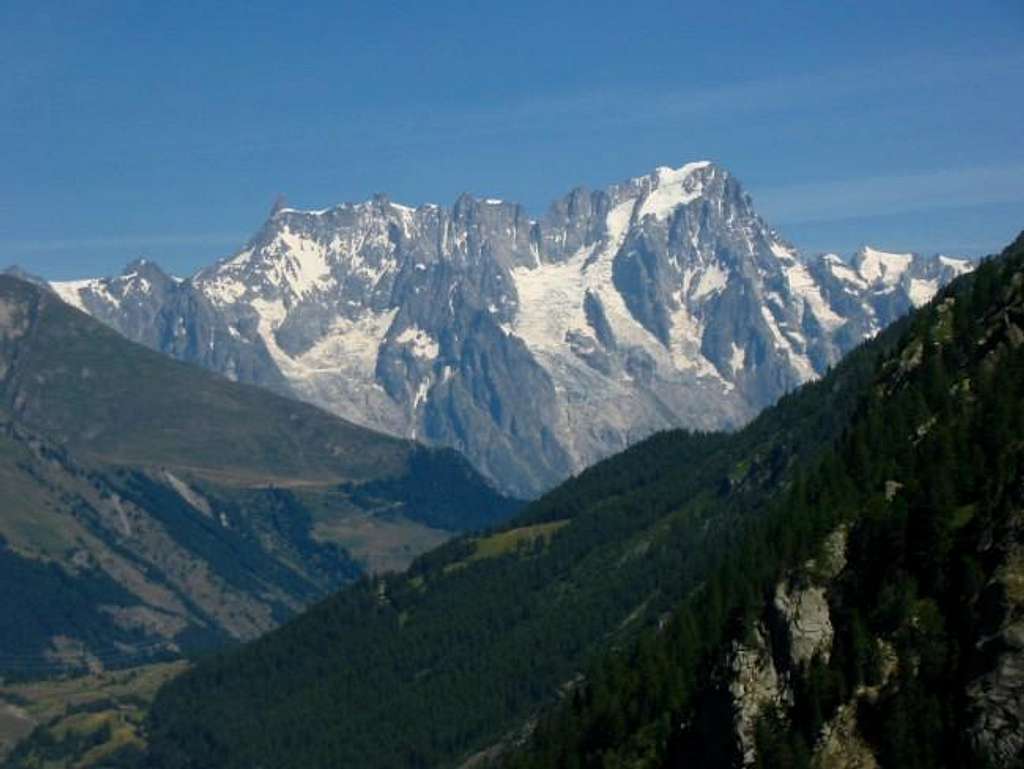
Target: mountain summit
[{"x": 534, "y": 346}]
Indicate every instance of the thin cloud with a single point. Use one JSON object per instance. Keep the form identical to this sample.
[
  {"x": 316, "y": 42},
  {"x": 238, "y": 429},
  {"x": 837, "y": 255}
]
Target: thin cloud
[
  {"x": 131, "y": 241},
  {"x": 895, "y": 193},
  {"x": 631, "y": 106},
  {"x": 426, "y": 123}
]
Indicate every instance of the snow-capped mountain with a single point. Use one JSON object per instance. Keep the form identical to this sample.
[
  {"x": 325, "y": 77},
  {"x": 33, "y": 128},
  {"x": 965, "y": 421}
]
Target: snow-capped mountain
[{"x": 534, "y": 346}]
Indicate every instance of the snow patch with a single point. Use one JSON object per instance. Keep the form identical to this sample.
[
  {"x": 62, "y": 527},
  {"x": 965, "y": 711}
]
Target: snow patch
[
  {"x": 421, "y": 393},
  {"x": 423, "y": 344},
  {"x": 844, "y": 272},
  {"x": 551, "y": 301},
  {"x": 675, "y": 187},
  {"x": 922, "y": 291},
  {"x": 304, "y": 265},
  {"x": 348, "y": 346},
  {"x": 959, "y": 266},
  {"x": 196, "y": 500},
  {"x": 70, "y": 292},
  {"x": 551, "y": 295},
  {"x": 224, "y": 289},
  {"x": 685, "y": 337},
  {"x": 738, "y": 358},
  {"x": 712, "y": 280},
  {"x": 882, "y": 266},
  {"x": 802, "y": 285},
  {"x": 781, "y": 252},
  {"x": 799, "y": 361}
]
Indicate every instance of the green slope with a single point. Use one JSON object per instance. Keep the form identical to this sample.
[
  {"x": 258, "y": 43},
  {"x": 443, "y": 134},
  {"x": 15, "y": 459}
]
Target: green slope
[
  {"x": 148, "y": 507},
  {"x": 926, "y": 665},
  {"x": 660, "y": 559},
  {"x": 89, "y": 389}
]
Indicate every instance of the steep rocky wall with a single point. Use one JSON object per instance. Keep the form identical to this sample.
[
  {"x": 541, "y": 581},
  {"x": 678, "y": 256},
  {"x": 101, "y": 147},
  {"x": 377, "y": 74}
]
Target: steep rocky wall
[
  {"x": 996, "y": 697},
  {"x": 797, "y": 626}
]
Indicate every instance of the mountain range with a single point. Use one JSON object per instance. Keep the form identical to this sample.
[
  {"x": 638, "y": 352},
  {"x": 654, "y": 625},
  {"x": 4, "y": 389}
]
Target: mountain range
[
  {"x": 838, "y": 584},
  {"x": 533, "y": 346}
]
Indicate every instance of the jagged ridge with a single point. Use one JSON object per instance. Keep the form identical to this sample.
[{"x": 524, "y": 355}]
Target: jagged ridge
[{"x": 534, "y": 346}]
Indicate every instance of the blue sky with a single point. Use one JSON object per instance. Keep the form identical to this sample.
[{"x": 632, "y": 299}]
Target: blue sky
[{"x": 167, "y": 129}]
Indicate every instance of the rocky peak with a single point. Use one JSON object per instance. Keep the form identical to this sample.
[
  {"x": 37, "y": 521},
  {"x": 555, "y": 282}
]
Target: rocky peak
[
  {"x": 17, "y": 271},
  {"x": 280, "y": 203},
  {"x": 145, "y": 269},
  {"x": 534, "y": 346}
]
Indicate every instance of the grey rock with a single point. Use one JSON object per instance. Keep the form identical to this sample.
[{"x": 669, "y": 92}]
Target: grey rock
[
  {"x": 535, "y": 346},
  {"x": 841, "y": 744},
  {"x": 755, "y": 686},
  {"x": 796, "y": 625},
  {"x": 800, "y": 603},
  {"x": 996, "y": 696},
  {"x": 997, "y": 699},
  {"x": 808, "y": 621}
]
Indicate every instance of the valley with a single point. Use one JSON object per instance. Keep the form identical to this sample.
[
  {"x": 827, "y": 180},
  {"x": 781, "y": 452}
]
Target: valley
[
  {"x": 152, "y": 509},
  {"x": 78, "y": 720}
]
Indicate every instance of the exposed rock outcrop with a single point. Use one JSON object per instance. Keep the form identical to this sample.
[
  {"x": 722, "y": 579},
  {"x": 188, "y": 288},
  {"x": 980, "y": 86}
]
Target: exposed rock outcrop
[
  {"x": 802, "y": 604},
  {"x": 797, "y": 626},
  {"x": 996, "y": 697},
  {"x": 755, "y": 685},
  {"x": 841, "y": 745}
]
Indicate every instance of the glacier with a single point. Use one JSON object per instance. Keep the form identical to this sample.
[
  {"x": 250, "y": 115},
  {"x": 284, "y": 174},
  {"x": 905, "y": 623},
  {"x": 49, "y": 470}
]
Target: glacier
[{"x": 536, "y": 346}]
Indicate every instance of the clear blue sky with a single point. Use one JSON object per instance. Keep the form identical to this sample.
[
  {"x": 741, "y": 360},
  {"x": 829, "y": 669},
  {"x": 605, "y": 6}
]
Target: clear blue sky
[{"x": 167, "y": 129}]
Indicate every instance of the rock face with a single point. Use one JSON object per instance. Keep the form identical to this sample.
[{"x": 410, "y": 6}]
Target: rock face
[
  {"x": 534, "y": 346},
  {"x": 841, "y": 745},
  {"x": 797, "y": 626},
  {"x": 996, "y": 697},
  {"x": 755, "y": 686},
  {"x": 802, "y": 605}
]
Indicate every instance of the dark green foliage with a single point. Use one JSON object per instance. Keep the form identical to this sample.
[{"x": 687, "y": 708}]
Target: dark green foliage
[
  {"x": 41, "y": 600},
  {"x": 43, "y": 746},
  {"x": 672, "y": 550},
  {"x": 777, "y": 745},
  {"x": 419, "y": 669},
  {"x": 913, "y": 574},
  {"x": 439, "y": 489}
]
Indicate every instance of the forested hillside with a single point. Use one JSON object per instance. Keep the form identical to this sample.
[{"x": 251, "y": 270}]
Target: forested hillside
[
  {"x": 914, "y": 657},
  {"x": 625, "y": 606}
]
